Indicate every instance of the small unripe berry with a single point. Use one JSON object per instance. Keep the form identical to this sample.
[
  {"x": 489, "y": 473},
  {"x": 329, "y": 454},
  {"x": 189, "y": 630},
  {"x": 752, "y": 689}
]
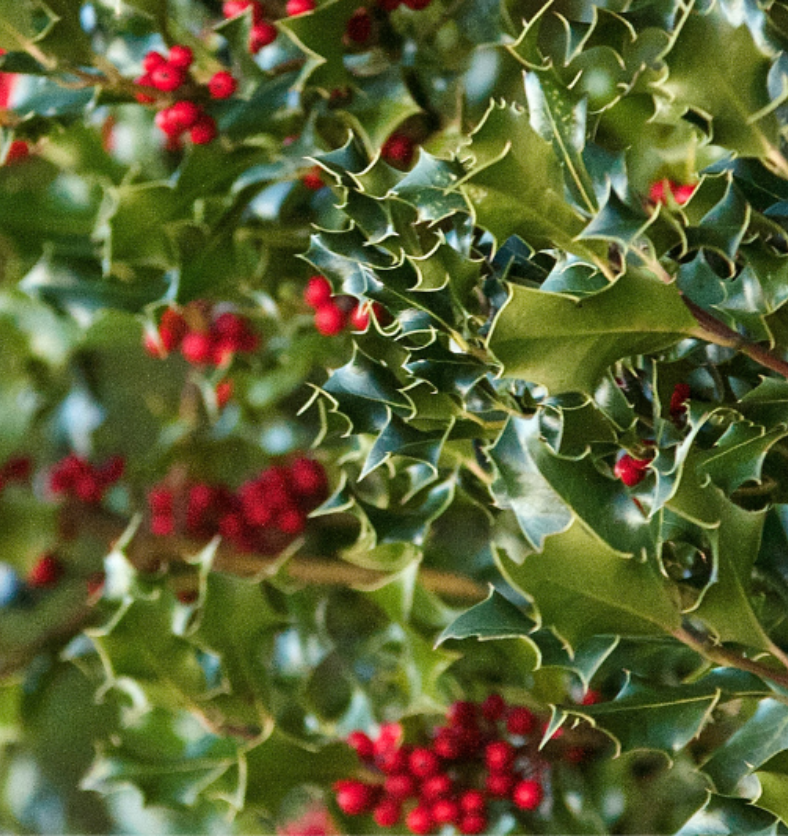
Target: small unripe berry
[
  {"x": 528, "y": 794},
  {"x": 222, "y": 85},
  {"x": 329, "y": 319},
  {"x": 299, "y": 7},
  {"x": 317, "y": 291}
]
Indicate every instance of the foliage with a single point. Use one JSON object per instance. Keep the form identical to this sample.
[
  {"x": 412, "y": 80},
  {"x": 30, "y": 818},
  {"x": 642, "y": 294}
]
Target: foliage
[{"x": 539, "y": 429}]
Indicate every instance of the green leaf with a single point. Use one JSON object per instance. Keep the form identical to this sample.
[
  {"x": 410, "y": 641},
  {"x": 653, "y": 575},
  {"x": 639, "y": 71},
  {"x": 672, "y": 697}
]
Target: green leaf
[
  {"x": 728, "y": 816},
  {"x": 675, "y": 716},
  {"x": 582, "y": 588},
  {"x": 764, "y": 735},
  {"x": 773, "y": 778},
  {"x": 495, "y": 618},
  {"x": 718, "y": 70},
  {"x": 567, "y": 345}
]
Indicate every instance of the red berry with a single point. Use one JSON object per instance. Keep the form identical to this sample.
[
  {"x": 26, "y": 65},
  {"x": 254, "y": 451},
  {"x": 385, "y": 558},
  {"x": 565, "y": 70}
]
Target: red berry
[
  {"x": 359, "y": 317},
  {"x": 446, "y": 811},
  {"x": 355, "y": 798},
  {"x": 630, "y": 471},
  {"x": 172, "y": 329},
  {"x": 291, "y": 521},
  {"x": 473, "y": 801},
  {"x": 472, "y": 823},
  {"x": 313, "y": 179},
  {"x": 528, "y": 794},
  {"x": 419, "y": 820},
  {"x": 16, "y": 469},
  {"x": 222, "y": 85},
  {"x": 308, "y": 478},
  {"x": 318, "y": 291},
  {"x": 499, "y": 784},
  {"x": 160, "y": 500},
  {"x": 591, "y": 697},
  {"x": 462, "y": 713},
  {"x": 232, "y": 8},
  {"x": 329, "y": 319},
  {"x": 46, "y": 572},
  {"x": 167, "y": 77},
  {"x": 197, "y": 347},
  {"x": 363, "y": 745},
  {"x": 88, "y": 488},
  {"x": 387, "y": 812},
  {"x": 658, "y": 192},
  {"x": 204, "y": 130},
  {"x": 223, "y": 393},
  {"x": 392, "y": 761},
  {"x": 401, "y": 785},
  {"x": 678, "y": 400},
  {"x": 144, "y": 81},
  {"x": 162, "y": 525},
  {"x": 398, "y": 150},
  {"x": 180, "y": 56},
  {"x": 681, "y": 194},
  {"x": 185, "y": 114},
  {"x": 423, "y": 762},
  {"x": 261, "y": 35},
  {"x": 436, "y": 786},
  {"x": 299, "y": 7},
  {"x": 447, "y": 744},
  {"x": 520, "y": 720},
  {"x": 499, "y": 756},
  {"x": 18, "y": 150},
  {"x": 359, "y": 27},
  {"x": 168, "y": 123},
  {"x": 152, "y": 60},
  {"x": 494, "y": 707}
]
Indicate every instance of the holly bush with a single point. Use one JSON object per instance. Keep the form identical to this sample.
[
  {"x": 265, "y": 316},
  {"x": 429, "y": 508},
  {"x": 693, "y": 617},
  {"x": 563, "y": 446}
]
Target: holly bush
[{"x": 394, "y": 416}]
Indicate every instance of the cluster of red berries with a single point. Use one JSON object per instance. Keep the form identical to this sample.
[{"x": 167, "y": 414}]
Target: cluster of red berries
[
  {"x": 486, "y": 752},
  {"x": 75, "y": 476},
  {"x": 680, "y": 192},
  {"x": 262, "y": 516},
  {"x": 16, "y": 469},
  {"x": 263, "y": 31},
  {"x": 335, "y": 313},
  {"x": 171, "y": 74},
  {"x": 205, "y": 336}
]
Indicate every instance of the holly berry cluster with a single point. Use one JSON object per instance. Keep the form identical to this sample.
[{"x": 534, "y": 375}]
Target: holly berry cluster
[
  {"x": 16, "y": 469},
  {"x": 186, "y": 114},
  {"x": 204, "y": 335},
  {"x": 74, "y": 476},
  {"x": 263, "y": 31},
  {"x": 485, "y": 753},
  {"x": 262, "y": 516},
  {"x": 335, "y": 313}
]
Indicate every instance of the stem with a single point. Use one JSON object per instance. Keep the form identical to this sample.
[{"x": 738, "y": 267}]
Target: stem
[{"x": 731, "y": 658}]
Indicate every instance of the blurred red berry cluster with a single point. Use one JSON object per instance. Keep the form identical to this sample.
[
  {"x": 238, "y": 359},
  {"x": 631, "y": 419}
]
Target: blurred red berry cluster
[
  {"x": 187, "y": 114},
  {"x": 263, "y": 32},
  {"x": 486, "y": 752},
  {"x": 74, "y": 476},
  {"x": 335, "y": 313},
  {"x": 262, "y": 516},
  {"x": 16, "y": 469},
  {"x": 204, "y": 335}
]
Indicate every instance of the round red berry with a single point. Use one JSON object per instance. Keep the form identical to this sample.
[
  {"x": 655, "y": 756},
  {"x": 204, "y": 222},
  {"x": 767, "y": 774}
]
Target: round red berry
[
  {"x": 46, "y": 572},
  {"x": 318, "y": 291},
  {"x": 299, "y": 7},
  {"x": 223, "y": 393},
  {"x": 329, "y": 319},
  {"x": 462, "y": 713},
  {"x": 185, "y": 114},
  {"x": 447, "y": 744},
  {"x": 401, "y": 785},
  {"x": 631, "y": 471},
  {"x": 291, "y": 521},
  {"x": 204, "y": 131},
  {"x": 222, "y": 85},
  {"x": 180, "y": 56},
  {"x": 499, "y": 784},
  {"x": 355, "y": 797},
  {"x": 363, "y": 745},
  {"x": 359, "y": 27},
  {"x": 436, "y": 786},
  {"x": 398, "y": 150},
  {"x": 472, "y": 823},
  {"x": 473, "y": 801},
  {"x": 499, "y": 756},
  {"x": 152, "y": 60},
  {"x": 528, "y": 794},
  {"x": 387, "y": 812},
  {"x": 419, "y": 820},
  {"x": 262, "y": 34},
  {"x": 313, "y": 179},
  {"x": 197, "y": 347},
  {"x": 520, "y": 720},
  {"x": 167, "y": 77},
  {"x": 168, "y": 123},
  {"x": 423, "y": 762},
  {"x": 359, "y": 317},
  {"x": 494, "y": 707},
  {"x": 446, "y": 811},
  {"x": 393, "y": 760}
]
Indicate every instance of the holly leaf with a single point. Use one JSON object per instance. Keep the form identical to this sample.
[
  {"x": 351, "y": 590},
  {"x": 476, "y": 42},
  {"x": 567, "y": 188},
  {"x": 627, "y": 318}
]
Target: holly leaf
[
  {"x": 568, "y": 345},
  {"x": 773, "y": 778},
  {"x": 727, "y": 816},
  {"x": 582, "y": 588}
]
